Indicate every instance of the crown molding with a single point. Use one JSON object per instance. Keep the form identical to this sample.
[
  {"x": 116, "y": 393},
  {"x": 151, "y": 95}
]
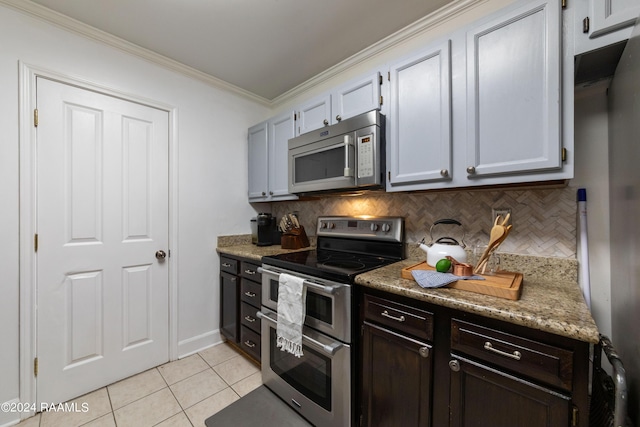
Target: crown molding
[
  {"x": 412, "y": 30},
  {"x": 420, "y": 26},
  {"x": 82, "y": 29}
]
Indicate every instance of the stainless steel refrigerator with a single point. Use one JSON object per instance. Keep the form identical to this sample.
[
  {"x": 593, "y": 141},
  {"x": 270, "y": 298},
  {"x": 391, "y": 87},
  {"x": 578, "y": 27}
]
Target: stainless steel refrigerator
[{"x": 624, "y": 204}]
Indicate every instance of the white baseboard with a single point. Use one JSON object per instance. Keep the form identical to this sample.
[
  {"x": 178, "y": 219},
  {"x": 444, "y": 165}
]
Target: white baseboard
[{"x": 198, "y": 343}]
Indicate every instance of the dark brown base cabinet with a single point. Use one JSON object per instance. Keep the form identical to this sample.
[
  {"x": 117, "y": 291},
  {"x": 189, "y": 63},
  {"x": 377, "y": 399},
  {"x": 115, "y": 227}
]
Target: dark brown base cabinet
[
  {"x": 427, "y": 365},
  {"x": 240, "y": 295},
  {"x": 229, "y": 287}
]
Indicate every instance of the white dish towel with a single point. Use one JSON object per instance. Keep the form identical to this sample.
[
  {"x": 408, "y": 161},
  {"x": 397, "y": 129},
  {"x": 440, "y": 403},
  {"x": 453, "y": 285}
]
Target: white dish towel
[{"x": 292, "y": 295}]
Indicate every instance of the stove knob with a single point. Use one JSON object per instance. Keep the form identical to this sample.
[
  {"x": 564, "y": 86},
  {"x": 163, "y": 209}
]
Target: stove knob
[
  {"x": 374, "y": 227},
  {"x": 331, "y": 225},
  {"x": 323, "y": 225},
  {"x": 386, "y": 227}
]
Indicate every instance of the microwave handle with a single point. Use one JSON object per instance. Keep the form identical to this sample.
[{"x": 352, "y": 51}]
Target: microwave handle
[{"x": 348, "y": 170}]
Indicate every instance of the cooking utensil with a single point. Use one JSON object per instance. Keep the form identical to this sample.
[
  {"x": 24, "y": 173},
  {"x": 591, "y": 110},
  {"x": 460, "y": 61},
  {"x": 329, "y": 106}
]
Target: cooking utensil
[
  {"x": 497, "y": 231},
  {"x": 498, "y": 235}
]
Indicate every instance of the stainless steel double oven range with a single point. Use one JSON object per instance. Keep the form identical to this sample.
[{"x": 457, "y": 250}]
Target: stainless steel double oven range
[{"x": 319, "y": 385}]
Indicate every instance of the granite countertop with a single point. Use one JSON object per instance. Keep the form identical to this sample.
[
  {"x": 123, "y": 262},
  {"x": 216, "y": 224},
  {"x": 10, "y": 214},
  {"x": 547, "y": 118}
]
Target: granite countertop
[
  {"x": 551, "y": 299},
  {"x": 550, "y": 305}
]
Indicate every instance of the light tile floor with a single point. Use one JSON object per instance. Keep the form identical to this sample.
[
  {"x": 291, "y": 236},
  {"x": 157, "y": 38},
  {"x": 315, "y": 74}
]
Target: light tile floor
[{"x": 181, "y": 393}]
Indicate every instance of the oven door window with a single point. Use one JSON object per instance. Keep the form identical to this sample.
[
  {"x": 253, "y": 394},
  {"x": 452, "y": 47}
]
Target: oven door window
[
  {"x": 319, "y": 307},
  {"x": 309, "y": 374}
]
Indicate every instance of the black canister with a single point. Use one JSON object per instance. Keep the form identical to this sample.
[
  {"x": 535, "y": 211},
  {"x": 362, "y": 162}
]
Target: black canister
[{"x": 265, "y": 222}]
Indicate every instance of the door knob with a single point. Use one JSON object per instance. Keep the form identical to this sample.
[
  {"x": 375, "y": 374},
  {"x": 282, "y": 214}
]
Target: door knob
[{"x": 161, "y": 255}]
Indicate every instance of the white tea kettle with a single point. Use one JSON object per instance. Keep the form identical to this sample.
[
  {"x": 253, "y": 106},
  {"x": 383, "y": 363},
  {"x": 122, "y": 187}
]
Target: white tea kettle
[{"x": 444, "y": 246}]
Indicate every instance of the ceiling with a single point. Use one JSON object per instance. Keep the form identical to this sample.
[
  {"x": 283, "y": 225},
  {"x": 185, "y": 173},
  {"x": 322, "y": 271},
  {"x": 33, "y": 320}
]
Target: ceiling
[{"x": 265, "y": 47}]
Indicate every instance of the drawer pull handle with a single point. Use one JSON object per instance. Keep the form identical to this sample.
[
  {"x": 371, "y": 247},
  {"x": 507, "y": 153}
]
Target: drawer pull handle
[
  {"x": 249, "y": 319},
  {"x": 249, "y": 344},
  {"x": 251, "y": 272},
  {"x": 399, "y": 319},
  {"x": 515, "y": 355},
  {"x": 226, "y": 264},
  {"x": 250, "y": 294}
]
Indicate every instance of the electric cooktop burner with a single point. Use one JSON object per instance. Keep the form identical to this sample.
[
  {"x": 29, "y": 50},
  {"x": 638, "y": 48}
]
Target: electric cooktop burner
[
  {"x": 347, "y": 246},
  {"x": 328, "y": 264}
]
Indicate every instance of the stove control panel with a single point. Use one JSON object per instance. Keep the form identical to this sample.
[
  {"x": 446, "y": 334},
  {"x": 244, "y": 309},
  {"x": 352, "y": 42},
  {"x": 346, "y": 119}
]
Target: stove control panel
[{"x": 362, "y": 227}]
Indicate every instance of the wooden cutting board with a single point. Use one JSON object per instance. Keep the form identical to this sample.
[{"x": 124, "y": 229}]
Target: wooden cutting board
[{"x": 503, "y": 284}]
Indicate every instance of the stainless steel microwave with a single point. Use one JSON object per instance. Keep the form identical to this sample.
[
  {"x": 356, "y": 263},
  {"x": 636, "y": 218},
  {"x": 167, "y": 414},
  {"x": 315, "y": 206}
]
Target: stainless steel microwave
[{"x": 349, "y": 155}]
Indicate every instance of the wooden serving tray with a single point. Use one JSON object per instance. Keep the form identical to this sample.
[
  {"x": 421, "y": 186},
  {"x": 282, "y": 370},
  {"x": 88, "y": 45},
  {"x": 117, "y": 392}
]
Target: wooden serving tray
[{"x": 503, "y": 284}]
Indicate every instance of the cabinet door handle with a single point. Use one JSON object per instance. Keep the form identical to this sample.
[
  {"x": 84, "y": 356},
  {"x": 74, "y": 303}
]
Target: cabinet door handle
[
  {"x": 250, "y": 272},
  {"x": 454, "y": 365},
  {"x": 249, "y": 344},
  {"x": 226, "y": 264},
  {"x": 424, "y": 351},
  {"x": 249, "y": 319},
  {"x": 399, "y": 319},
  {"x": 250, "y": 294},
  {"x": 516, "y": 355}
]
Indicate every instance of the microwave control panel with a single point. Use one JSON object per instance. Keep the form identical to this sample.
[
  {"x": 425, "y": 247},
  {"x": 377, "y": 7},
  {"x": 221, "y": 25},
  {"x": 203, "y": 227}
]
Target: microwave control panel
[{"x": 365, "y": 149}]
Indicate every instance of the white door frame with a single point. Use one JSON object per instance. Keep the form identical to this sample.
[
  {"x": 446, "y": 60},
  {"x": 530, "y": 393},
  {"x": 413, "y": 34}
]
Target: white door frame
[{"x": 27, "y": 259}]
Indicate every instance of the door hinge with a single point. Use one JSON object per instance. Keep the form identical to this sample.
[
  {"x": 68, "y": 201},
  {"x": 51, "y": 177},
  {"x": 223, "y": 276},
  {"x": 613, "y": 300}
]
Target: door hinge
[
  {"x": 381, "y": 100},
  {"x": 564, "y": 154},
  {"x": 295, "y": 117},
  {"x": 35, "y": 117},
  {"x": 389, "y": 175},
  {"x": 388, "y": 75},
  {"x": 585, "y": 25},
  {"x": 35, "y": 243},
  {"x": 169, "y": 253},
  {"x": 564, "y": 3},
  {"x": 574, "y": 416},
  {"x": 380, "y": 79},
  {"x": 35, "y": 367}
]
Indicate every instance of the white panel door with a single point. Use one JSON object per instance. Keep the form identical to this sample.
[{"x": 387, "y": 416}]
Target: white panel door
[
  {"x": 420, "y": 145},
  {"x": 514, "y": 92},
  {"x": 102, "y": 214}
]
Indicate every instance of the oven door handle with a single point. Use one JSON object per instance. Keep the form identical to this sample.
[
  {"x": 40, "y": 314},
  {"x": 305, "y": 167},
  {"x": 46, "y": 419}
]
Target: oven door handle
[
  {"x": 327, "y": 289},
  {"x": 329, "y": 349}
]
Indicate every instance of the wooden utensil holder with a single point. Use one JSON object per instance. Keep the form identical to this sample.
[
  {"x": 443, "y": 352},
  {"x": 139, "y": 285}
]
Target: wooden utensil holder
[{"x": 295, "y": 238}]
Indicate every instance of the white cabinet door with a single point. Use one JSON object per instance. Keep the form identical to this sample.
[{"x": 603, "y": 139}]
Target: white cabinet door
[
  {"x": 281, "y": 129},
  {"x": 258, "y": 163},
  {"x": 314, "y": 114},
  {"x": 356, "y": 97},
  {"x": 514, "y": 92},
  {"x": 420, "y": 145},
  {"x": 611, "y": 15}
]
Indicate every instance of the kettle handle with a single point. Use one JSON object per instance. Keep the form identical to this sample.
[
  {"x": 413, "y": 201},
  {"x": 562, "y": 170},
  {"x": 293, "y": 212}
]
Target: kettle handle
[{"x": 448, "y": 221}]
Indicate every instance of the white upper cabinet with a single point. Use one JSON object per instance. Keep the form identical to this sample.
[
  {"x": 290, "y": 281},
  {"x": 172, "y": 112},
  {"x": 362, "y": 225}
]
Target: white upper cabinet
[
  {"x": 599, "y": 23},
  {"x": 258, "y": 162},
  {"x": 419, "y": 122},
  {"x": 514, "y": 110},
  {"x": 354, "y": 97},
  {"x": 611, "y": 15},
  {"x": 314, "y": 114},
  {"x": 281, "y": 129},
  {"x": 268, "y": 166}
]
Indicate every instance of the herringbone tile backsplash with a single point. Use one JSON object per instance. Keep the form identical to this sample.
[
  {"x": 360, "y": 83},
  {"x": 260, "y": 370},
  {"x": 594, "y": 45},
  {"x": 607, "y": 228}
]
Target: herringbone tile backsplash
[{"x": 544, "y": 220}]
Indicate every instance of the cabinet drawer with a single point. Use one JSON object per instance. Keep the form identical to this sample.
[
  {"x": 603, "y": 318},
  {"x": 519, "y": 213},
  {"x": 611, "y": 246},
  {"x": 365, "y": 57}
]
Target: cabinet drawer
[
  {"x": 251, "y": 292},
  {"x": 229, "y": 265},
  {"x": 249, "y": 317},
  {"x": 399, "y": 317},
  {"x": 250, "y": 271},
  {"x": 250, "y": 342},
  {"x": 552, "y": 365}
]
